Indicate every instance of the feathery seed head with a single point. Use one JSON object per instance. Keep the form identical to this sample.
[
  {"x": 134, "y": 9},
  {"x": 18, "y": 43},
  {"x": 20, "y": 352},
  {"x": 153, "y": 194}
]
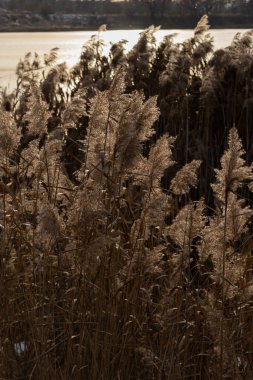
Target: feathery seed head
[
  {"x": 233, "y": 171},
  {"x": 37, "y": 114},
  {"x": 48, "y": 222},
  {"x": 185, "y": 178}
]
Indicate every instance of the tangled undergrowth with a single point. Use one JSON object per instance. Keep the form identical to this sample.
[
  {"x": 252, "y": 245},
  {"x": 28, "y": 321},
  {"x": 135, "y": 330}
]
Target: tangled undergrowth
[{"x": 126, "y": 213}]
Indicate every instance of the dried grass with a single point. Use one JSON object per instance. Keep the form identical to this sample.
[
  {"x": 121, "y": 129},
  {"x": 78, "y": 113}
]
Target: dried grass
[{"x": 115, "y": 263}]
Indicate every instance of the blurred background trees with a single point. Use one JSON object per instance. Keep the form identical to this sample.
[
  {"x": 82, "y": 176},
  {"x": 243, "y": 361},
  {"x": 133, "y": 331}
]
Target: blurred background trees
[{"x": 155, "y": 8}]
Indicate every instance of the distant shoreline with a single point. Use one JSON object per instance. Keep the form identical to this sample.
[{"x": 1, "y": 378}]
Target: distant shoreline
[
  {"x": 114, "y": 22},
  {"x": 95, "y": 28}
]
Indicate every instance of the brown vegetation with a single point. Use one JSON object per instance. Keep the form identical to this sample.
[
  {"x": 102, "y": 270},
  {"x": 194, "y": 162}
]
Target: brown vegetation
[{"x": 115, "y": 261}]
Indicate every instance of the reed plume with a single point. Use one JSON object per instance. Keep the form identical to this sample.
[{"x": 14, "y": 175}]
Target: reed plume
[{"x": 116, "y": 260}]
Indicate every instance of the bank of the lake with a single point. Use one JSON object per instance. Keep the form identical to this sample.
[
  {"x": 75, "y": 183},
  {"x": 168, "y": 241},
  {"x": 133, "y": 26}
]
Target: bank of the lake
[{"x": 27, "y": 22}]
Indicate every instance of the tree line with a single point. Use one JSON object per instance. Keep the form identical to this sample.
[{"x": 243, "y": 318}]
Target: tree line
[{"x": 155, "y": 7}]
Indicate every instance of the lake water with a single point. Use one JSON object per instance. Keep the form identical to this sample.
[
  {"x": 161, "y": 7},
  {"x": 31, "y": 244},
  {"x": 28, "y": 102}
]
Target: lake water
[{"x": 14, "y": 46}]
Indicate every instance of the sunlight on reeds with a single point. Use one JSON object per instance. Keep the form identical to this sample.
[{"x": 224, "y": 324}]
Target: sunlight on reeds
[{"x": 126, "y": 213}]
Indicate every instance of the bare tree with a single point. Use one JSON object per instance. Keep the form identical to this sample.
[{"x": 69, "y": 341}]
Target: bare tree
[
  {"x": 156, "y": 8},
  {"x": 197, "y": 8}
]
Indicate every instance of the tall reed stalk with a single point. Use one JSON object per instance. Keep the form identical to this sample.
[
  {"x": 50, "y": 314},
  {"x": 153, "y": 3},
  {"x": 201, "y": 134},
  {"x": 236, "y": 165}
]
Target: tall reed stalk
[{"x": 125, "y": 253}]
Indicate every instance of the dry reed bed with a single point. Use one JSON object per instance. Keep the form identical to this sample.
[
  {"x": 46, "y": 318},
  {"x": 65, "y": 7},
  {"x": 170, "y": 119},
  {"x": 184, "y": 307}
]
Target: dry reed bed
[{"x": 117, "y": 262}]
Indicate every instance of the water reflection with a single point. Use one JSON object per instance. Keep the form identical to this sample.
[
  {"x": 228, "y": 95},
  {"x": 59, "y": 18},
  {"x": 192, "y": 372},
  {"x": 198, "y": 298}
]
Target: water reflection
[{"x": 15, "y": 45}]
